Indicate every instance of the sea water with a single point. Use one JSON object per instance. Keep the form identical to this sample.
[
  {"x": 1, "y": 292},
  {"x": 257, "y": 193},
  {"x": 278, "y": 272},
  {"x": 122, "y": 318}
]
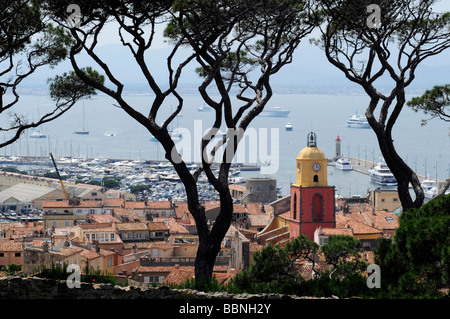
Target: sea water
[{"x": 114, "y": 134}]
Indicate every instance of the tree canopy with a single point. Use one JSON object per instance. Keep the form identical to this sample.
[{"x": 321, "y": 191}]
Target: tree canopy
[
  {"x": 373, "y": 40},
  {"x": 416, "y": 263},
  {"x": 237, "y": 46},
  {"x": 28, "y": 42},
  {"x": 434, "y": 102}
]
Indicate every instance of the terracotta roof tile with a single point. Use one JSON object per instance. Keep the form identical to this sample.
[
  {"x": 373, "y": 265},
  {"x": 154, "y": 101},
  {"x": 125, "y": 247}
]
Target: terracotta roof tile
[
  {"x": 65, "y": 204},
  {"x": 10, "y": 246},
  {"x": 175, "y": 228},
  {"x": 155, "y": 226},
  {"x": 131, "y": 226},
  {"x": 160, "y": 205},
  {"x": 134, "y": 205},
  {"x": 113, "y": 202},
  {"x": 179, "y": 274}
]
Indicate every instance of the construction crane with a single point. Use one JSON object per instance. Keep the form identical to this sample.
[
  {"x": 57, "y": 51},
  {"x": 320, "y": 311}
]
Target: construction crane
[{"x": 59, "y": 176}]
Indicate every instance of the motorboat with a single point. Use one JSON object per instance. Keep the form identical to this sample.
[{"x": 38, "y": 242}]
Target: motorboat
[
  {"x": 288, "y": 126},
  {"x": 343, "y": 164},
  {"x": 382, "y": 175},
  {"x": 38, "y": 134},
  {"x": 428, "y": 184},
  {"x": 204, "y": 109},
  {"x": 275, "y": 111},
  {"x": 357, "y": 121}
]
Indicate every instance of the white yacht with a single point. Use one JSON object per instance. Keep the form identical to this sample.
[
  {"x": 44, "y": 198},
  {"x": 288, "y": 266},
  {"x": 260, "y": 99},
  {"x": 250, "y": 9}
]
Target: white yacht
[
  {"x": 382, "y": 175},
  {"x": 343, "y": 164},
  {"x": 275, "y": 111},
  {"x": 38, "y": 134},
  {"x": 357, "y": 121},
  {"x": 204, "y": 108},
  {"x": 428, "y": 184}
]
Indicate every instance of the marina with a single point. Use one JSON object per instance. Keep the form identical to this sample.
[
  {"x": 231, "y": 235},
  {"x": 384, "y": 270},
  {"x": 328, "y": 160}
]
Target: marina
[{"x": 119, "y": 137}]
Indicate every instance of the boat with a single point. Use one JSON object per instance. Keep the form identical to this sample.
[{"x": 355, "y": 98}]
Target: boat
[
  {"x": 83, "y": 131},
  {"x": 111, "y": 134},
  {"x": 357, "y": 121},
  {"x": 275, "y": 111},
  {"x": 343, "y": 164},
  {"x": 430, "y": 187},
  {"x": 382, "y": 175},
  {"x": 288, "y": 126},
  {"x": 204, "y": 109},
  {"x": 427, "y": 184},
  {"x": 38, "y": 134}
]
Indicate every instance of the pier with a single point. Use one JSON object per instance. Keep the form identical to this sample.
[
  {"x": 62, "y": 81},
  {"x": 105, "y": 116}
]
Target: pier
[{"x": 362, "y": 166}]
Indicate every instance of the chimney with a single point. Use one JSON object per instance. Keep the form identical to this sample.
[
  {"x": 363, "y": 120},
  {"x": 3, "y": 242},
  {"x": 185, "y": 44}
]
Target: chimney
[{"x": 97, "y": 248}]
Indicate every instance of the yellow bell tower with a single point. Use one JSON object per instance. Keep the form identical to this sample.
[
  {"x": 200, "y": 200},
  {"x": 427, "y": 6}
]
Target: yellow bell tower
[{"x": 311, "y": 165}]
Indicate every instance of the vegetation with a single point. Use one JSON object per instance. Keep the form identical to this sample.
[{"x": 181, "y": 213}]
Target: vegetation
[
  {"x": 416, "y": 263},
  {"x": 58, "y": 272},
  {"x": 28, "y": 42},
  {"x": 139, "y": 189},
  {"x": 14, "y": 170},
  {"x": 12, "y": 270},
  {"x": 434, "y": 102},
  {"x": 275, "y": 269}
]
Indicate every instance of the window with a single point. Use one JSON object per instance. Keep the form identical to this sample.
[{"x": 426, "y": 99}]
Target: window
[
  {"x": 389, "y": 219},
  {"x": 2, "y": 255},
  {"x": 317, "y": 206},
  {"x": 295, "y": 206},
  {"x": 395, "y": 200},
  {"x": 66, "y": 223},
  {"x": 316, "y": 178},
  {"x": 17, "y": 254},
  {"x": 112, "y": 237},
  {"x": 109, "y": 262}
]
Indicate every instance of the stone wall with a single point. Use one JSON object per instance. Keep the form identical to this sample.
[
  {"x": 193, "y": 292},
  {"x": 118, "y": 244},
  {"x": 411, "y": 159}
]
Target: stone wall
[{"x": 38, "y": 288}]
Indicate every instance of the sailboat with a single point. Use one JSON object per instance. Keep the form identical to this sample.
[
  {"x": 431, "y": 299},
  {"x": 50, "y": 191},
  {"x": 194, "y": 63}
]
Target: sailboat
[{"x": 83, "y": 131}]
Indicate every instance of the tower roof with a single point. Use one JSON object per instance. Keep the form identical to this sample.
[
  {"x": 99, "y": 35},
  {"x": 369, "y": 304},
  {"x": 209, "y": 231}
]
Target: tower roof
[{"x": 311, "y": 151}]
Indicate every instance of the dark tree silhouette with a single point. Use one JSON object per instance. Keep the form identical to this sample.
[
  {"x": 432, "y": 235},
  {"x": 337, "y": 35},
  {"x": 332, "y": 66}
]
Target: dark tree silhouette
[
  {"x": 238, "y": 46},
  {"x": 29, "y": 42},
  {"x": 371, "y": 40}
]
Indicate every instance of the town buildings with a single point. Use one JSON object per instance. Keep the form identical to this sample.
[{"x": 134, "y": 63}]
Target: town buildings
[{"x": 155, "y": 241}]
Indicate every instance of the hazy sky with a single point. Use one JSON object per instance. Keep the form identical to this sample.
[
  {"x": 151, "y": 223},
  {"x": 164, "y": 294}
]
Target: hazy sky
[{"x": 308, "y": 60}]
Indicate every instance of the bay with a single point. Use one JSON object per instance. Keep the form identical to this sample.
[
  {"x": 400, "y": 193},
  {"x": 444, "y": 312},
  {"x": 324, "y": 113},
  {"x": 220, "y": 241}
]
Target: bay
[{"x": 114, "y": 134}]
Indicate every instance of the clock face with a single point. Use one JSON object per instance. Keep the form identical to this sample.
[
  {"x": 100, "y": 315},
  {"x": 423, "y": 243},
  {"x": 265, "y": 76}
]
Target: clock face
[{"x": 316, "y": 166}]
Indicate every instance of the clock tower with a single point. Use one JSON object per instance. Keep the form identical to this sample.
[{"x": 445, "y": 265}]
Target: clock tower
[{"x": 312, "y": 200}]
